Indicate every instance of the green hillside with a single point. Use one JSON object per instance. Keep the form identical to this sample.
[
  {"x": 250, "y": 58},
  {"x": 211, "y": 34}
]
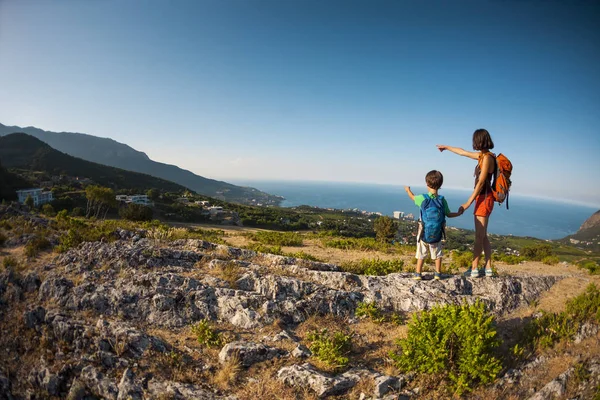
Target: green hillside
[
  {"x": 22, "y": 151},
  {"x": 119, "y": 155},
  {"x": 9, "y": 183}
]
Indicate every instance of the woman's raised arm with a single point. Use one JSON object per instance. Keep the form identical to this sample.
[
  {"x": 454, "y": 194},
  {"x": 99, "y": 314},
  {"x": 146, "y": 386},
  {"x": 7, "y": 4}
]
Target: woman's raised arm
[{"x": 461, "y": 152}]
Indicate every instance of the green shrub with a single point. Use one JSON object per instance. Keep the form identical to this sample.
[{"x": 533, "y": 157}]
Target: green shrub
[
  {"x": 209, "y": 235},
  {"x": 592, "y": 266},
  {"x": 385, "y": 228},
  {"x": 456, "y": 342},
  {"x": 35, "y": 245},
  {"x": 206, "y": 335},
  {"x": 537, "y": 252},
  {"x": 277, "y": 238},
  {"x": 550, "y": 260},
  {"x": 462, "y": 259},
  {"x": 585, "y": 307},
  {"x": 375, "y": 314},
  {"x": 550, "y": 328},
  {"x": 261, "y": 248},
  {"x": 362, "y": 244},
  {"x": 78, "y": 212},
  {"x": 330, "y": 348},
  {"x": 369, "y": 310},
  {"x": 48, "y": 210},
  {"x": 302, "y": 255},
  {"x": 374, "y": 266},
  {"x": 509, "y": 259},
  {"x": 136, "y": 212}
]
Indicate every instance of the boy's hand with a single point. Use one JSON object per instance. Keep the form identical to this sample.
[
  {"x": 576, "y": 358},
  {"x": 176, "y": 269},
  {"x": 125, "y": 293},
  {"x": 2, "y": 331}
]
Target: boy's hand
[
  {"x": 461, "y": 210},
  {"x": 407, "y": 188}
]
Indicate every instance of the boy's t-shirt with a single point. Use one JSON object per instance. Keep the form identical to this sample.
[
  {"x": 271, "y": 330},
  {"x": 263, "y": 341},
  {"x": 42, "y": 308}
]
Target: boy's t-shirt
[{"x": 419, "y": 199}]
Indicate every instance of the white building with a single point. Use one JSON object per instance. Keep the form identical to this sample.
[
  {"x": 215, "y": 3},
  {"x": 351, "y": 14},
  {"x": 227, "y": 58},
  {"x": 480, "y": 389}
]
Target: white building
[
  {"x": 398, "y": 214},
  {"x": 38, "y": 195},
  {"x": 215, "y": 210},
  {"x": 141, "y": 199}
]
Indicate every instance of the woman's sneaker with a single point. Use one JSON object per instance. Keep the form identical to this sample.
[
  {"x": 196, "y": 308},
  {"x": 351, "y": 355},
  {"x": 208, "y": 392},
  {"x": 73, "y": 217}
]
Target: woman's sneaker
[
  {"x": 417, "y": 277},
  {"x": 471, "y": 273},
  {"x": 437, "y": 276},
  {"x": 489, "y": 272}
]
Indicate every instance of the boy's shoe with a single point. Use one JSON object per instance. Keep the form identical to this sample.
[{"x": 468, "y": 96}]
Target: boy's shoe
[
  {"x": 417, "y": 277},
  {"x": 489, "y": 272},
  {"x": 471, "y": 273},
  {"x": 436, "y": 276}
]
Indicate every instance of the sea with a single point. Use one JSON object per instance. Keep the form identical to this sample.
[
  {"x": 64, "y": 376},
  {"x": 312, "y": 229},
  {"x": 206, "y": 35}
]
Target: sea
[{"x": 527, "y": 216}]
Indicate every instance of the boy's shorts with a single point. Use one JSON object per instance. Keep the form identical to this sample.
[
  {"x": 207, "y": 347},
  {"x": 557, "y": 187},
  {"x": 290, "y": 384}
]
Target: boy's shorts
[
  {"x": 484, "y": 204},
  {"x": 434, "y": 248}
]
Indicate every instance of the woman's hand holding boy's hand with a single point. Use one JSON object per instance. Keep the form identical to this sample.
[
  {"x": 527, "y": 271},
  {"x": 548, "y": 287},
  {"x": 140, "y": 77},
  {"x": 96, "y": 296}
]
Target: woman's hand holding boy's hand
[{"x": 461, "y": 210}]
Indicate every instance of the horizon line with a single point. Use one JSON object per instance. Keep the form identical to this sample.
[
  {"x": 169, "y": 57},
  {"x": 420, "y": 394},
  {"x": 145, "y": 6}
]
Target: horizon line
[{"x": 555, "y": 199}]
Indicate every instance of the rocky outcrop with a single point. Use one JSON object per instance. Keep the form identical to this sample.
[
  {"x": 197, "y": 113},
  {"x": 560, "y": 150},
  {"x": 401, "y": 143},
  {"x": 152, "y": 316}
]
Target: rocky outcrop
[
  {"x": 248, "y": 353},
  {"x": 306, "y": 376},
  {"x": 96, "y": 308}
]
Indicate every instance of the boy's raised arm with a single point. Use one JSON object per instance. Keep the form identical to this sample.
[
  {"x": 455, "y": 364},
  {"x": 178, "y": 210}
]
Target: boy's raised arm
[{"x": 409, "y": 192}]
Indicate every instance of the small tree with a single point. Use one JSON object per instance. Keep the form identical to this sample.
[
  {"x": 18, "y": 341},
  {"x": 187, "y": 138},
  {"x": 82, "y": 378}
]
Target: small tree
[
  {"x": 136, "y": 212},
  {"x": 385, "y": 228},
  {"x": 48, "y": 210},
  {"x": 99, "y": 201},
  {"x": 153, "y": 194},
  {"x": 29, "y": 202}
]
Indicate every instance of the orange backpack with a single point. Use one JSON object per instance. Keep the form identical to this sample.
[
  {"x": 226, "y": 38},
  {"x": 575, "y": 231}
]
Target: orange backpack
[{"x": 501, "y": 186}]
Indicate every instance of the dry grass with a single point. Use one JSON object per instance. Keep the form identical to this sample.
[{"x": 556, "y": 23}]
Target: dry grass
[
  {"x": 319, "y": 322},
  {"x": 267, "y": 387},
  {"x": 375, "y": 341},
  {"x": 365, "y": 385},
  {"x": 228, "y": 374}
]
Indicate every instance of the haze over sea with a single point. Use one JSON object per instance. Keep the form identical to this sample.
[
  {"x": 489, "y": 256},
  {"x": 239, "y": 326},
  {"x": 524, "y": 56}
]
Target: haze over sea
[{"x": 527, "y": 216}]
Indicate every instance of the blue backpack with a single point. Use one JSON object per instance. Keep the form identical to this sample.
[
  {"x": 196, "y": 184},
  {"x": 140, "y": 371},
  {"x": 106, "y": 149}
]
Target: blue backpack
[{"x": 433, "y": 219}]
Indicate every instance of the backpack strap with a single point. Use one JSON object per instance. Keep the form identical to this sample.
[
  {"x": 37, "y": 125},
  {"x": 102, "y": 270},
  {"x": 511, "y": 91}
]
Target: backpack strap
[{"x": 421, "y": 224}]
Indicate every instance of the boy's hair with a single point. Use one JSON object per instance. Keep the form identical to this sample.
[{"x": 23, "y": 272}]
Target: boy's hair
[
  {"x": 482, "y": 140},
  {"x": 434, "y": 179}
]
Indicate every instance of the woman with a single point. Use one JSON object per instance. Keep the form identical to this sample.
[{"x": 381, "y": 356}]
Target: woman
[{"x": 482, "y": 195}]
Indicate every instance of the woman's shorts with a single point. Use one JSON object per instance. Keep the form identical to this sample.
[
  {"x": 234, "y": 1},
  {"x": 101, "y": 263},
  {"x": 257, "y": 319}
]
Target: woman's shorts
[{"x": 484, "y": 204}]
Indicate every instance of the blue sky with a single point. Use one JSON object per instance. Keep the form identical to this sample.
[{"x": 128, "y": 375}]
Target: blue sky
[{"x": 357, "y": 91}]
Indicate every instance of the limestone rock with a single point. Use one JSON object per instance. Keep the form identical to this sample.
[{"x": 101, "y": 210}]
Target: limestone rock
[
  {"x": 128, "y": 388},
  {"x": 98, "y": 384},
  {"x": 554, "y": 388},
  {"x": 180, "y": 391},
  {"x": 248, "y": 353},
  {"x": 322, "y": 384},
  {"x": 301, "y": 351}
]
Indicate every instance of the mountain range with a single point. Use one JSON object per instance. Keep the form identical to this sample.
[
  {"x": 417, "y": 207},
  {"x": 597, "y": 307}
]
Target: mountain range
[
  {"x": 115, "y": 154},
  {"x": 23, "y": 151}
]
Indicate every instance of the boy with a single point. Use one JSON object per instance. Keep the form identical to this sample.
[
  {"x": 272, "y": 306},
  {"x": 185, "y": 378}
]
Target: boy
[{"x": 434, "y": 210}]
